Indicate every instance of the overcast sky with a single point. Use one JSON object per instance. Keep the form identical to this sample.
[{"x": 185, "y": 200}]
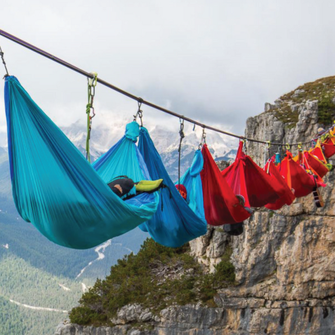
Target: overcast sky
[{"x": 216, "y": 61}]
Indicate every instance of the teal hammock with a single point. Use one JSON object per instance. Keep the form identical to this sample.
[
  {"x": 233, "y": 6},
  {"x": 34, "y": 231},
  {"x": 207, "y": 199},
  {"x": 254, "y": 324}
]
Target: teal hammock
[
  {"x": 57, "y": 190},
  {"x": 176, "y": 221}
]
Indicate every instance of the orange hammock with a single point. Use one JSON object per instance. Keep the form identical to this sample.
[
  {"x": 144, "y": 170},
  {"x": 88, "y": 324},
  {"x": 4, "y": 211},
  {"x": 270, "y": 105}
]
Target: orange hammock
[
  {"x": 287, "y": 197},
  {"x": 297, "y": 178}
]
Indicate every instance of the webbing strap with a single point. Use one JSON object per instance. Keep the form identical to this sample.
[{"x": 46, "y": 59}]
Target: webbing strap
[
  {"x": 182, "y": 135},
  {"x": 289, "y": 180},
  {"x": 91, "y": 84}
]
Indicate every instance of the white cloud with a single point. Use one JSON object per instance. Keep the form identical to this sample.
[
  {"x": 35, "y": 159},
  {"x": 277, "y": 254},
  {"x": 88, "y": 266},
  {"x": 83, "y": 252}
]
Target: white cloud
[{"x": 216, "y": 61}]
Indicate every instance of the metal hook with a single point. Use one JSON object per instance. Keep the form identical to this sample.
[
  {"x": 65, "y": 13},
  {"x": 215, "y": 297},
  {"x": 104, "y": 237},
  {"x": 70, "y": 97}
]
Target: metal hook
[
  {"x": 94, "y": 80},
  {"x": 139, "y": 102},
  {"x": 139, "y": 111}
]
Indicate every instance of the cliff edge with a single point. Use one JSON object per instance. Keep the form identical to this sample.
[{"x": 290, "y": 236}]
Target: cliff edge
[{"x": 284, "y": 261}]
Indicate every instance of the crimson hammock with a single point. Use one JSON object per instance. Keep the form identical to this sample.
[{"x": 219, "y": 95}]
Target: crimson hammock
[
  {"x": 328, "y": 147},
  {"x": 315, "y": 164},
  {"x": 246, "y": 178},
  {"x": 297, "y": 178},
  {"x": 318, "y": 152},
  {"x": 220, "y": 203},
  {"x": 287, "y": 196}
]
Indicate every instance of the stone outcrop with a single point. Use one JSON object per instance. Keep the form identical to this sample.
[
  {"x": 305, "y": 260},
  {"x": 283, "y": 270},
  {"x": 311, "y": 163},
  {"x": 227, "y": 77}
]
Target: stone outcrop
[{"x": 284, "y": 261}]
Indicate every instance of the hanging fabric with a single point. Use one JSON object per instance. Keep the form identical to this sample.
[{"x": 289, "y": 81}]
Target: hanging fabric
[
  {"x": 318, "y": 152},
  {"x": 246, "y": 178},
  {"x": 328, "y": 146},
  {"x": 221, "y": 204},
  {"x": 287, "y": 197},
  {"x": 298, "y": 179},
  {"x": 314, "y": 164},
  {"x": 174, "y": 223},
  {"x": 192, "y": 182},
  {"x": 57, "y": 190}
]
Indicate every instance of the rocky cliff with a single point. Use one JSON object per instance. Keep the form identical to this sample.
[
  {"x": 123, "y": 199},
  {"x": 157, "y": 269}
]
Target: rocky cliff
[{"x": 284, "y": 261}]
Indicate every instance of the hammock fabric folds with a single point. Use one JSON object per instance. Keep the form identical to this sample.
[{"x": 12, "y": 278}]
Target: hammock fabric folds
[
  {"x": 315, "y": 164},
  {"x": 220, "y": 202},
  {"x": 192, "y": 181},
  {"x": 287, "y": 197},
  {"x": 329, "y": 147},
  {"x": 297, "y": 178},
  {"x": 57, "y": 190},
  {"x": 246, "y": 178},
  {"x": 174, "y": 223}
]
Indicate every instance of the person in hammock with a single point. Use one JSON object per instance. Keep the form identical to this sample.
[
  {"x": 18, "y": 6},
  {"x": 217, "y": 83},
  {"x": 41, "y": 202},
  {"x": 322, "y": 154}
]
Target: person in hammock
[
  {"x": 237, "y": 228},
  {"x": 125, "y": 187}
]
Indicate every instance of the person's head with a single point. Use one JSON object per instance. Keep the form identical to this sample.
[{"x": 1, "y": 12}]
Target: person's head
[{"x": 182, "y": 190}]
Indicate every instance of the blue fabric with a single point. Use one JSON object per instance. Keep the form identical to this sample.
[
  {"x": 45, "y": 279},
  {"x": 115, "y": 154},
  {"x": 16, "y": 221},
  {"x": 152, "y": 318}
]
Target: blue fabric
[
  {"x": 174, "y": 223},
  {"x": 56, "y": 189},
  {"x": 192, "y": 181}
]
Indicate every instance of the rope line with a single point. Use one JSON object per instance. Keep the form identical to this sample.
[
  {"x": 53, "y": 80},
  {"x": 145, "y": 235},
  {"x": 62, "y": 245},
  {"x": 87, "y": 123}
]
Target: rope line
[{"x": 131, "y": 96}]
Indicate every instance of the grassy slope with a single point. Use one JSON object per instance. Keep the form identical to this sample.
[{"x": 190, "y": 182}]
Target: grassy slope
[
  {"x": 322, "y": 90},
  {"x": 21, "y": 282},
  {"x": 156, "y": 277}
]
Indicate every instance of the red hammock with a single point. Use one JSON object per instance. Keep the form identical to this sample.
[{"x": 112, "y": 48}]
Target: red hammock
[
  {"x": 315, "y": 164},
  {"x": 318, "y": 152},
  {"x": 328, "y": 147},
  {"x": 297, "y": 178},
  {"x": 246, "y": 178},
  {"x": 287, "y": 197},
  {"x": 220, "y": 203}
]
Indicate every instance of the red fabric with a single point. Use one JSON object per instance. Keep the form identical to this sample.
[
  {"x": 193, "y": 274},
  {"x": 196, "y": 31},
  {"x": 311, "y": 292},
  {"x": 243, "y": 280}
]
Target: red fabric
[
  {"x": 302, "y": 182},
  {"x": 220, "y": 203},
  {"x": 328, "y": 147},
  {"x": 287, "y": 196},
  {"x": 317, "y": 151},
  {"x": 246, "y": 178},
  {"x": 182, "y": 190},
  {"x": 320, "y": 168}
]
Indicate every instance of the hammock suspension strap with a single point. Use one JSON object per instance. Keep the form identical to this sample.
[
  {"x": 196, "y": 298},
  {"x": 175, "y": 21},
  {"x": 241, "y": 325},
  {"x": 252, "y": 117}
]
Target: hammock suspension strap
[
  {"x": 91, "y": 84},
  {"x": 203, "y": 138},
  {"x": 244, "y": 148},
  {"x": 3, "y": 62},
  {"x": 182, "y": 135},
  {"x": 139, "y": 112}
]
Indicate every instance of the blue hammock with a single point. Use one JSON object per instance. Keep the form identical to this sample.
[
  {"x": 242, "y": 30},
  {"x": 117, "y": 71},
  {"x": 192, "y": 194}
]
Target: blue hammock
[
  {"x": 174, "y": 223},
  {"x": 57, "y": 190},
  {"x": 192, "y": 181}
]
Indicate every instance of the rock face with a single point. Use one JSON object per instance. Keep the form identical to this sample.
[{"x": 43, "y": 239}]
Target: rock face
[{"x": 284, "y": 261}]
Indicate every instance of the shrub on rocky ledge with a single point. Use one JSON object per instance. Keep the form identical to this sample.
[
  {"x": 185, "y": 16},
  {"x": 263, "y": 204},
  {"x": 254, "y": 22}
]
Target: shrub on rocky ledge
[{"x": 156, "y": 277}]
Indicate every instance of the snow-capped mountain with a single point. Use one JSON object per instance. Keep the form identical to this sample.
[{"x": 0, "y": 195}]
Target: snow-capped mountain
[{"x": 103, "y": 136}]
